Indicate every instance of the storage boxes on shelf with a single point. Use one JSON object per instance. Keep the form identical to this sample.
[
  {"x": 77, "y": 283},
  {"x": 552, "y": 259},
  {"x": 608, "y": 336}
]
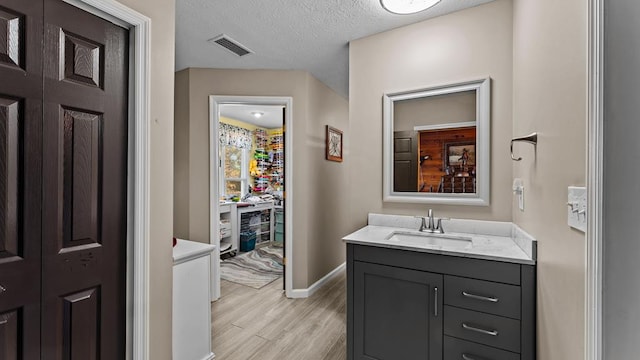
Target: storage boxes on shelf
[
  {"x": 279, "y": 226},
  {"x": 276, "y": 153},
  {"x": 262, "y": 158}
]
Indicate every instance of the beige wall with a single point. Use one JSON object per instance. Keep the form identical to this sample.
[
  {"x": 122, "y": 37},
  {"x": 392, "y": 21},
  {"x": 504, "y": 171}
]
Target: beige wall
[
  {"x": 327, "y": 188},
  {"x": 310, "y": 258},
  {"x": 162, "y": 14},
  {"x": 181, "y": 157},
  {"x": 467, "y": 45},
  {"x": 434, "y": 110},
  {"x": 550, "y": 97}
]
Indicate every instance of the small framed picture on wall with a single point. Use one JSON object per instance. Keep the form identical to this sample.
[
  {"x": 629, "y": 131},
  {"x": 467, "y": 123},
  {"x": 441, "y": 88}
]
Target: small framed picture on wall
[
  {"x": 334, "y": 144},
  {"x": 460, "y": 154}
]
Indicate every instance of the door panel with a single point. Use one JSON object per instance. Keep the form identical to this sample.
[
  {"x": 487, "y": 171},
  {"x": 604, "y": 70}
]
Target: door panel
[
  {"x": 405, "y": 161},
  {"x": 397, "y": 313},
  {"x": 81, "y": 164},
  {"x": 20, "y": 177},
  {"x": 12, "y": 38},
  {"x": 82, "y": 317},
  {"x": 10, "y": 335},
  {"x": 84, "y": 199},
  {"x": 11, "y": 141}
]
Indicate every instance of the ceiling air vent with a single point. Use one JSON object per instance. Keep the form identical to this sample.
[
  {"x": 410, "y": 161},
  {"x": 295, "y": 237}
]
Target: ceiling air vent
[{"x": 231, "y": 45}]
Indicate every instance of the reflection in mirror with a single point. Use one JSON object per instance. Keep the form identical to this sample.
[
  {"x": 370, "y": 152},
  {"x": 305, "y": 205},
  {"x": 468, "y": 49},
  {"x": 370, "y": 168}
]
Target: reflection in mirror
[{"x": 438, "y": 142}]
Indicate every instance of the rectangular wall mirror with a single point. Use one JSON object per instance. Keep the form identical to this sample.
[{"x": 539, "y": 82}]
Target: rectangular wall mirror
[{"x": 436, "y": 144}]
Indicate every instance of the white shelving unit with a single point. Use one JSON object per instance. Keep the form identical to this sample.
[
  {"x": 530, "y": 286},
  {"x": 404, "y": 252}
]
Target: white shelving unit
[
  {"x": 276, "y": 152},
  {"x": 264, "y": 228},
  {"x": 228, "y": 228}
]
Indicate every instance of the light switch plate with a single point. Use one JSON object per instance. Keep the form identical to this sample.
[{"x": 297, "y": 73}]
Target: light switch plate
[
  {"x": 518, "y": 191},
  {"x": 577, "y": 208}
]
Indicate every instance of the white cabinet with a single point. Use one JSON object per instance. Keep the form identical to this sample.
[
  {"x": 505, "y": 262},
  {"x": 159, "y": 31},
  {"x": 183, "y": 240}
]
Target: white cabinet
[
  {"x": 228, "y": 228},
  {"x": 191, "y": 301}
]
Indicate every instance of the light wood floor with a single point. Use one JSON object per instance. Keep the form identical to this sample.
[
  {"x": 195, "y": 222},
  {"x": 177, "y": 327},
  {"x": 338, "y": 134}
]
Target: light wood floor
[{"x": 250, "y": 324}]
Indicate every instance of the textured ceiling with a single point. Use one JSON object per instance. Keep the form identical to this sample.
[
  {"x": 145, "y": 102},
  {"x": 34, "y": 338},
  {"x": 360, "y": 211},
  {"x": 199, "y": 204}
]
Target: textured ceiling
[{"x": 311, "y": 35}]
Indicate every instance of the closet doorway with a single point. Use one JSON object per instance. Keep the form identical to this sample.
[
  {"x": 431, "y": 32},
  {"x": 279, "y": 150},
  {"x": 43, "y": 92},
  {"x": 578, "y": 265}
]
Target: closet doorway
[{"x": 250, "y": 171}]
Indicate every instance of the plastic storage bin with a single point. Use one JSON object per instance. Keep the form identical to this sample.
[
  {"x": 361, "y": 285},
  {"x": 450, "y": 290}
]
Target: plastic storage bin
[{"x": 247, "y": 241}]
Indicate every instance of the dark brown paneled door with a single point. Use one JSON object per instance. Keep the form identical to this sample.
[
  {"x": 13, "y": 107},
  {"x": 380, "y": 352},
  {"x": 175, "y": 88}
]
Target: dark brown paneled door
[
  {"x": 63, "y": 142},
  {"x": 405, "y": 161},
  {"x": 20, "y": 178},
  {"x": 84, "y": 185}
]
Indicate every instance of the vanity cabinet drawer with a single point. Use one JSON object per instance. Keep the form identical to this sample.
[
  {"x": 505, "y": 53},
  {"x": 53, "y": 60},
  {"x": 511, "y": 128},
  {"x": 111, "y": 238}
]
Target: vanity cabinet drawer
[
  {"x": 485, "y": 296},
  {"x": 492, "y": 330},
  {"x": 456, "y": 349},
  {"x": 502, "y": 272}
]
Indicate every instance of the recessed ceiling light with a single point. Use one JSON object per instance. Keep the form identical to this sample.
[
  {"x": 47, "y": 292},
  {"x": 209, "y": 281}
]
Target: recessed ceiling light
[
  {"x": 257, "y": 114},
  {"x": 404, "y": 7}
]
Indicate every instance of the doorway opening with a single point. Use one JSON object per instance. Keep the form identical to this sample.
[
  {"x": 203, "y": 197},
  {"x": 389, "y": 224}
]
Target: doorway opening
[{"x": 250, "y": 171}]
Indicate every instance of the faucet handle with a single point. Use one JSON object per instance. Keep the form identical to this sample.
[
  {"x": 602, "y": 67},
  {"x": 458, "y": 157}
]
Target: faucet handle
[
  {"x": 423, "y": 223},
  {"x": 439, "y": 225}
]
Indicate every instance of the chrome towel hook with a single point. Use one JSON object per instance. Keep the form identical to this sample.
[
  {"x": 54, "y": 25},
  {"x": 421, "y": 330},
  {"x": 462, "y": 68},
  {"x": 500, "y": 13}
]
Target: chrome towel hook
[{"x": 531, "y": 139}]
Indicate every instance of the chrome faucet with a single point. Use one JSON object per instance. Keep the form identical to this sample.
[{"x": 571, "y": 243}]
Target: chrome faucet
[
  {"x": 431, "y": 227},
  {"x": 429, "y": 223}
]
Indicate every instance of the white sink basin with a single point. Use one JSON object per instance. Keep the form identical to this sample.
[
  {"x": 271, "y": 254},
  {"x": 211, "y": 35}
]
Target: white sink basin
[{"x": 430, "y": 239}]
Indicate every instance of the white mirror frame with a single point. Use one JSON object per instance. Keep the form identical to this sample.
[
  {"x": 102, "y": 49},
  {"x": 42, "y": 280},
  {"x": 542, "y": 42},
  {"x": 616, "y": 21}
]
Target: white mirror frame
[{"x": 483, "y": 145}]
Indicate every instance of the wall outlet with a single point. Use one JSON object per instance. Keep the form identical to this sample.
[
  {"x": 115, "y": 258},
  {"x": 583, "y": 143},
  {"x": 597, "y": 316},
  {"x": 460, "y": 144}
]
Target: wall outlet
[{"x": 577, "y": 208}]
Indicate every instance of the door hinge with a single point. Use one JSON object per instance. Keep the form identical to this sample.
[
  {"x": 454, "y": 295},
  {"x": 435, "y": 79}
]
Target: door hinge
[{"x": 284, "y": 261}]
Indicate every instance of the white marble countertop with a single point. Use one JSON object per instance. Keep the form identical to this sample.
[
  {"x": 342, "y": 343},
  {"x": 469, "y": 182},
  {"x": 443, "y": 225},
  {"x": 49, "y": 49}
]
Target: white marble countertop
[
  {"x": 497, "y": 241},
  {"x": 186, "y": 250}
]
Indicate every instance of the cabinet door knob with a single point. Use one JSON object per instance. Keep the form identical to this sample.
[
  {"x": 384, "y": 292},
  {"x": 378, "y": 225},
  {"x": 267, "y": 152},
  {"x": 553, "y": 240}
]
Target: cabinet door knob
[
  {"x": 2, "y": 289},
  {"x": 480, "y": 297},
  {"x": 481, "y": 331}
]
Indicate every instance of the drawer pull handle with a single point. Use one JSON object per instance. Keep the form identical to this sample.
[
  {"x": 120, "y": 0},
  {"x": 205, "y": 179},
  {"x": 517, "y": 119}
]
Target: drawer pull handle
[
  {"x": 479, "y": 297},
  {"x": 4, "y": 321},
  {"x": 481, "y": 331},
  {"x": 435, "y": 302},
  {"x": 471, "y": 357}
]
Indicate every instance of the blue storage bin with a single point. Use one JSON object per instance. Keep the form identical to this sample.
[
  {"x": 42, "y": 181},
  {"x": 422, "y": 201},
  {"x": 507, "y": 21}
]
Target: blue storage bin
[{"x": 247, "y": 241}]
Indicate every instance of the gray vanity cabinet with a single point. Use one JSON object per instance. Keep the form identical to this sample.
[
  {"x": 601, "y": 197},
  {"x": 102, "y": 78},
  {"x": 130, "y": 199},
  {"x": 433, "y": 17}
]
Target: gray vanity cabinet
[
  {"x": 408, "y": 305},
  {"x": 398, "y": 313}
]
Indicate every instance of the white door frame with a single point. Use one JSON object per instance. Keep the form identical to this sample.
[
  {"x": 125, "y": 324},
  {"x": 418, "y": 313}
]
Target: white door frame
[
  {"x": 214, "y": 205},
  {"x": 138, "y": 172},
  {"x": 595, "y": 213}
]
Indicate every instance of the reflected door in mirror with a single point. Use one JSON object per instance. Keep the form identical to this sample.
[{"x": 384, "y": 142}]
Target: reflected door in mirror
[{"x": 405, "y": 161}]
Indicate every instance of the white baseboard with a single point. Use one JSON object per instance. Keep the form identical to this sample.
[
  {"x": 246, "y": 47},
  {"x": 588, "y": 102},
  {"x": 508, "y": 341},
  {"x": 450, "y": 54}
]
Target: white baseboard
[{"x": 305, "y": 293}]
